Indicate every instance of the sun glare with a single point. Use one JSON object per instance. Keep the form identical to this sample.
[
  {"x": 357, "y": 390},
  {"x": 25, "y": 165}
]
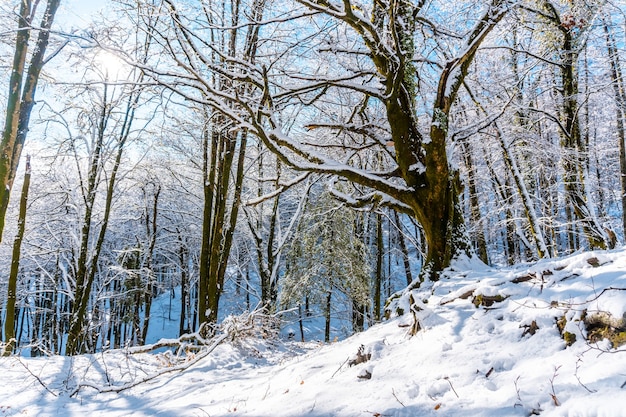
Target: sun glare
[{"x": 111, "y": 66}]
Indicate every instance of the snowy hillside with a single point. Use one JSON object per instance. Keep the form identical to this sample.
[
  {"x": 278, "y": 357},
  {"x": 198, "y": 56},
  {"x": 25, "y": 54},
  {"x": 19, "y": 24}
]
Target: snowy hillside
[{"x": 489, "y": 345}]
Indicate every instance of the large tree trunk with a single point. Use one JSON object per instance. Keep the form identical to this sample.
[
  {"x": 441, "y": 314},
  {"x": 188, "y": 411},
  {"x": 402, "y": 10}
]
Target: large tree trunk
[
  {"x": 220, "y": 217},
  {"x": 424, "y": 167},
  {"x": 424, "y": 164},
  {"x": 574, "y": 160},
  {"x": 437, "y": 210}
]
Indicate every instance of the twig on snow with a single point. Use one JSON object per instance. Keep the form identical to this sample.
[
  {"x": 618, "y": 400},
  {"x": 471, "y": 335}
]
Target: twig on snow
[
  {"x": 37, "y": 378},
  {"x": 396, "y": 397},
  {"x": 340, "y": 366},
  {"x": 555, "y": 400},
  {"x": 578, "y": 362},
  {"x": 453, "y": 390}
]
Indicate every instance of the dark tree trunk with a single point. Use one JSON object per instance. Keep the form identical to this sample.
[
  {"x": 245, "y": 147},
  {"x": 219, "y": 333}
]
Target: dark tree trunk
[
  {"x": 151, "y": 230},
  {"x": 75, "y": 340},
  {"x": 378, "y": 278},
  {"x": 405, "y": 253},
  {"x": 219, "y": 219},
  {"x": 9, "y": 323},
  {"x": 87, "y": 268},
  {"x": 183, "y": 326},
  {"x": 574, "y": 160},
  {"x": 358, "y": 317},
  {"x": 327, "y": 316}
]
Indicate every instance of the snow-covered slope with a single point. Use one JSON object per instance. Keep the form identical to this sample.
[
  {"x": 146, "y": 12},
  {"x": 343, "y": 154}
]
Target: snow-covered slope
[{"x": 502, "y": 358}]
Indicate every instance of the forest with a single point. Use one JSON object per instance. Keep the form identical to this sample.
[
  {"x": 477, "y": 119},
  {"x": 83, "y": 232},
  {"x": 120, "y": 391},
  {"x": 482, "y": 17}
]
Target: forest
[{"x": 304, "y": 158}]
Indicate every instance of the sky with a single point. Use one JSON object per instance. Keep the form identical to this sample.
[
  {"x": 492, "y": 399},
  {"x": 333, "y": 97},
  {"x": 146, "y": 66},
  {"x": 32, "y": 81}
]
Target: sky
[{"x": 78, "y": 13}]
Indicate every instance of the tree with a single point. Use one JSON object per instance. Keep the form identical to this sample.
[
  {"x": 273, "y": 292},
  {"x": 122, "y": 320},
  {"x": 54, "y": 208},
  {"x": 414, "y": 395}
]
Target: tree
[
  {"x": 212, "y": 58},
  {"x": 9, "y": 324},
  {"x": 620, "y": 116},
  {"x": 572, "y": 26},
  {"x": 21, "y": 98},
  {"x": 378, "y": 74},
  {"x": 269, "y": 228},
  {"x": 325, "y": 257},
  {"x": 109, "y": 126}
]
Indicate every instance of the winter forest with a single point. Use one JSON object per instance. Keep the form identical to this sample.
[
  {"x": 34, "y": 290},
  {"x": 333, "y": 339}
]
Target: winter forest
[{"x": 302, "y": 163}]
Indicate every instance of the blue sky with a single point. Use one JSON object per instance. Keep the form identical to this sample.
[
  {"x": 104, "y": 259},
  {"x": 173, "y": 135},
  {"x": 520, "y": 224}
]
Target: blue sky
[{"x": 78, "y": 13}]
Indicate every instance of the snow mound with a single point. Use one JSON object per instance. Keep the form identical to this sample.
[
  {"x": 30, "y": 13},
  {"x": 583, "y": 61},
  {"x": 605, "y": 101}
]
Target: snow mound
[{"x": 491, "y": 343}]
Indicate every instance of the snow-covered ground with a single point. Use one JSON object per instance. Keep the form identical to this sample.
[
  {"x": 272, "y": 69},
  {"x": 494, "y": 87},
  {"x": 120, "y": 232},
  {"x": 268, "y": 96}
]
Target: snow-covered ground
[{"x": 465, "y": 361}]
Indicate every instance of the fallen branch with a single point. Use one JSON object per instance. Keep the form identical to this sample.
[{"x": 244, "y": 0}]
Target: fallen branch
[
  {"x": 182, "y": 342},
  {"x": 181, "y": 367},
  {"x": 233, "y": 328}
]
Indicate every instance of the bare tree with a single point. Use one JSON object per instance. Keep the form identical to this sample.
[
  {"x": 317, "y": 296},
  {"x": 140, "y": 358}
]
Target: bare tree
[
  {"x": 381, "y": 44},
  {"x": 22, "y": 88}
]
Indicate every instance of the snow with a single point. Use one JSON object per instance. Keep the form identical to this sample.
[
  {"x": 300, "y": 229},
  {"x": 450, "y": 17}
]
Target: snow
[{"x": 466, "y": 360}]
